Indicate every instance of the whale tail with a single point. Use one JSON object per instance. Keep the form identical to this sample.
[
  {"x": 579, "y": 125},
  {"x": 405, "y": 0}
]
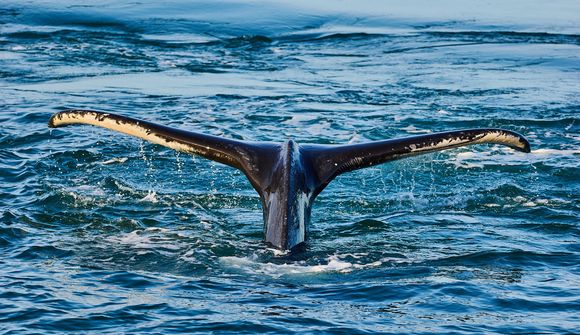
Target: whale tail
[
  {"x": 288, "y": 177},
  {"x": 256, "y": 158}
]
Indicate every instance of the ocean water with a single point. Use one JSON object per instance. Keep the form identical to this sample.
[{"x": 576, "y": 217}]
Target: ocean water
[{"x": 101, "y": 233}]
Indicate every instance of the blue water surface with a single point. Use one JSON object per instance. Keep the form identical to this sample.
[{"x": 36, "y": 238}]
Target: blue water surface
[{"x": 101, "y": 233}]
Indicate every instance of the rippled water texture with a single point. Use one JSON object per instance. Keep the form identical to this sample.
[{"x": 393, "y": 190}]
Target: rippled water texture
[{"x": 105, "y": 234}]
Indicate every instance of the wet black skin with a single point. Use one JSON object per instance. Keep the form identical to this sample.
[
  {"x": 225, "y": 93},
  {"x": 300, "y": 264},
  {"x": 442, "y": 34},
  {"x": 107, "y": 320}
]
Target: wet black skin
[{"x": 289, "y": 176}]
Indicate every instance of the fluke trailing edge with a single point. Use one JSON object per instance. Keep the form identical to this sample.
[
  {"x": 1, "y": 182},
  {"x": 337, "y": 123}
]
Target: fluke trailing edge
[{"x": 288, "y": 176}]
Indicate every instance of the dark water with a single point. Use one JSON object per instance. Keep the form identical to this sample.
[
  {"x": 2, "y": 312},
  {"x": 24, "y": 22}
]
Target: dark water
[{"x": 105, "y": 234}]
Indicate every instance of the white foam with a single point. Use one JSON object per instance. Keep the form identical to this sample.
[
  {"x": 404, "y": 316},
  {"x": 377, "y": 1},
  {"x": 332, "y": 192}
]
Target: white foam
[
  {"x": 414, "y": 130},
  {"x": 506, "y": 156},
  {"x": 189, "y": 256},
  {"x": 87, "y": 195},
  {"x": 150, "y": 197},
  {"x": 297, "y": 119},
  {"x": 540, "y": 202},
  {"x": 124, "y": 188},
  {"x": 115, "y": 160},
  {"x": 253, "y": 266},
  {"x": 150, "y": 238},
  {"x": 278, "y": 252},
  {"x": 529, "y": 202},
  {"x": 556, "y": 152}
]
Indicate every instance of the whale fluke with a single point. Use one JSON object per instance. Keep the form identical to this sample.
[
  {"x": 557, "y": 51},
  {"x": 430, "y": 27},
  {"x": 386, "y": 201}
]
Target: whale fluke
[
  {"x": 330, "y": 161},
  {"x": 219, "y": 149},
  {"x": 242, "y": 155},
  {"x": 288, "y": 176}
]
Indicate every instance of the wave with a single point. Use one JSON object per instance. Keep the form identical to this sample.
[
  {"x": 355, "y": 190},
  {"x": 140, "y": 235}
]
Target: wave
[
  {"x": 507, "y": 258},
  {"x": 236, "y": 18}
]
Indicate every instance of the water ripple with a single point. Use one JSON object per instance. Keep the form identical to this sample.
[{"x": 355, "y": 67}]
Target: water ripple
[{"x": 105, "y": 234}]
